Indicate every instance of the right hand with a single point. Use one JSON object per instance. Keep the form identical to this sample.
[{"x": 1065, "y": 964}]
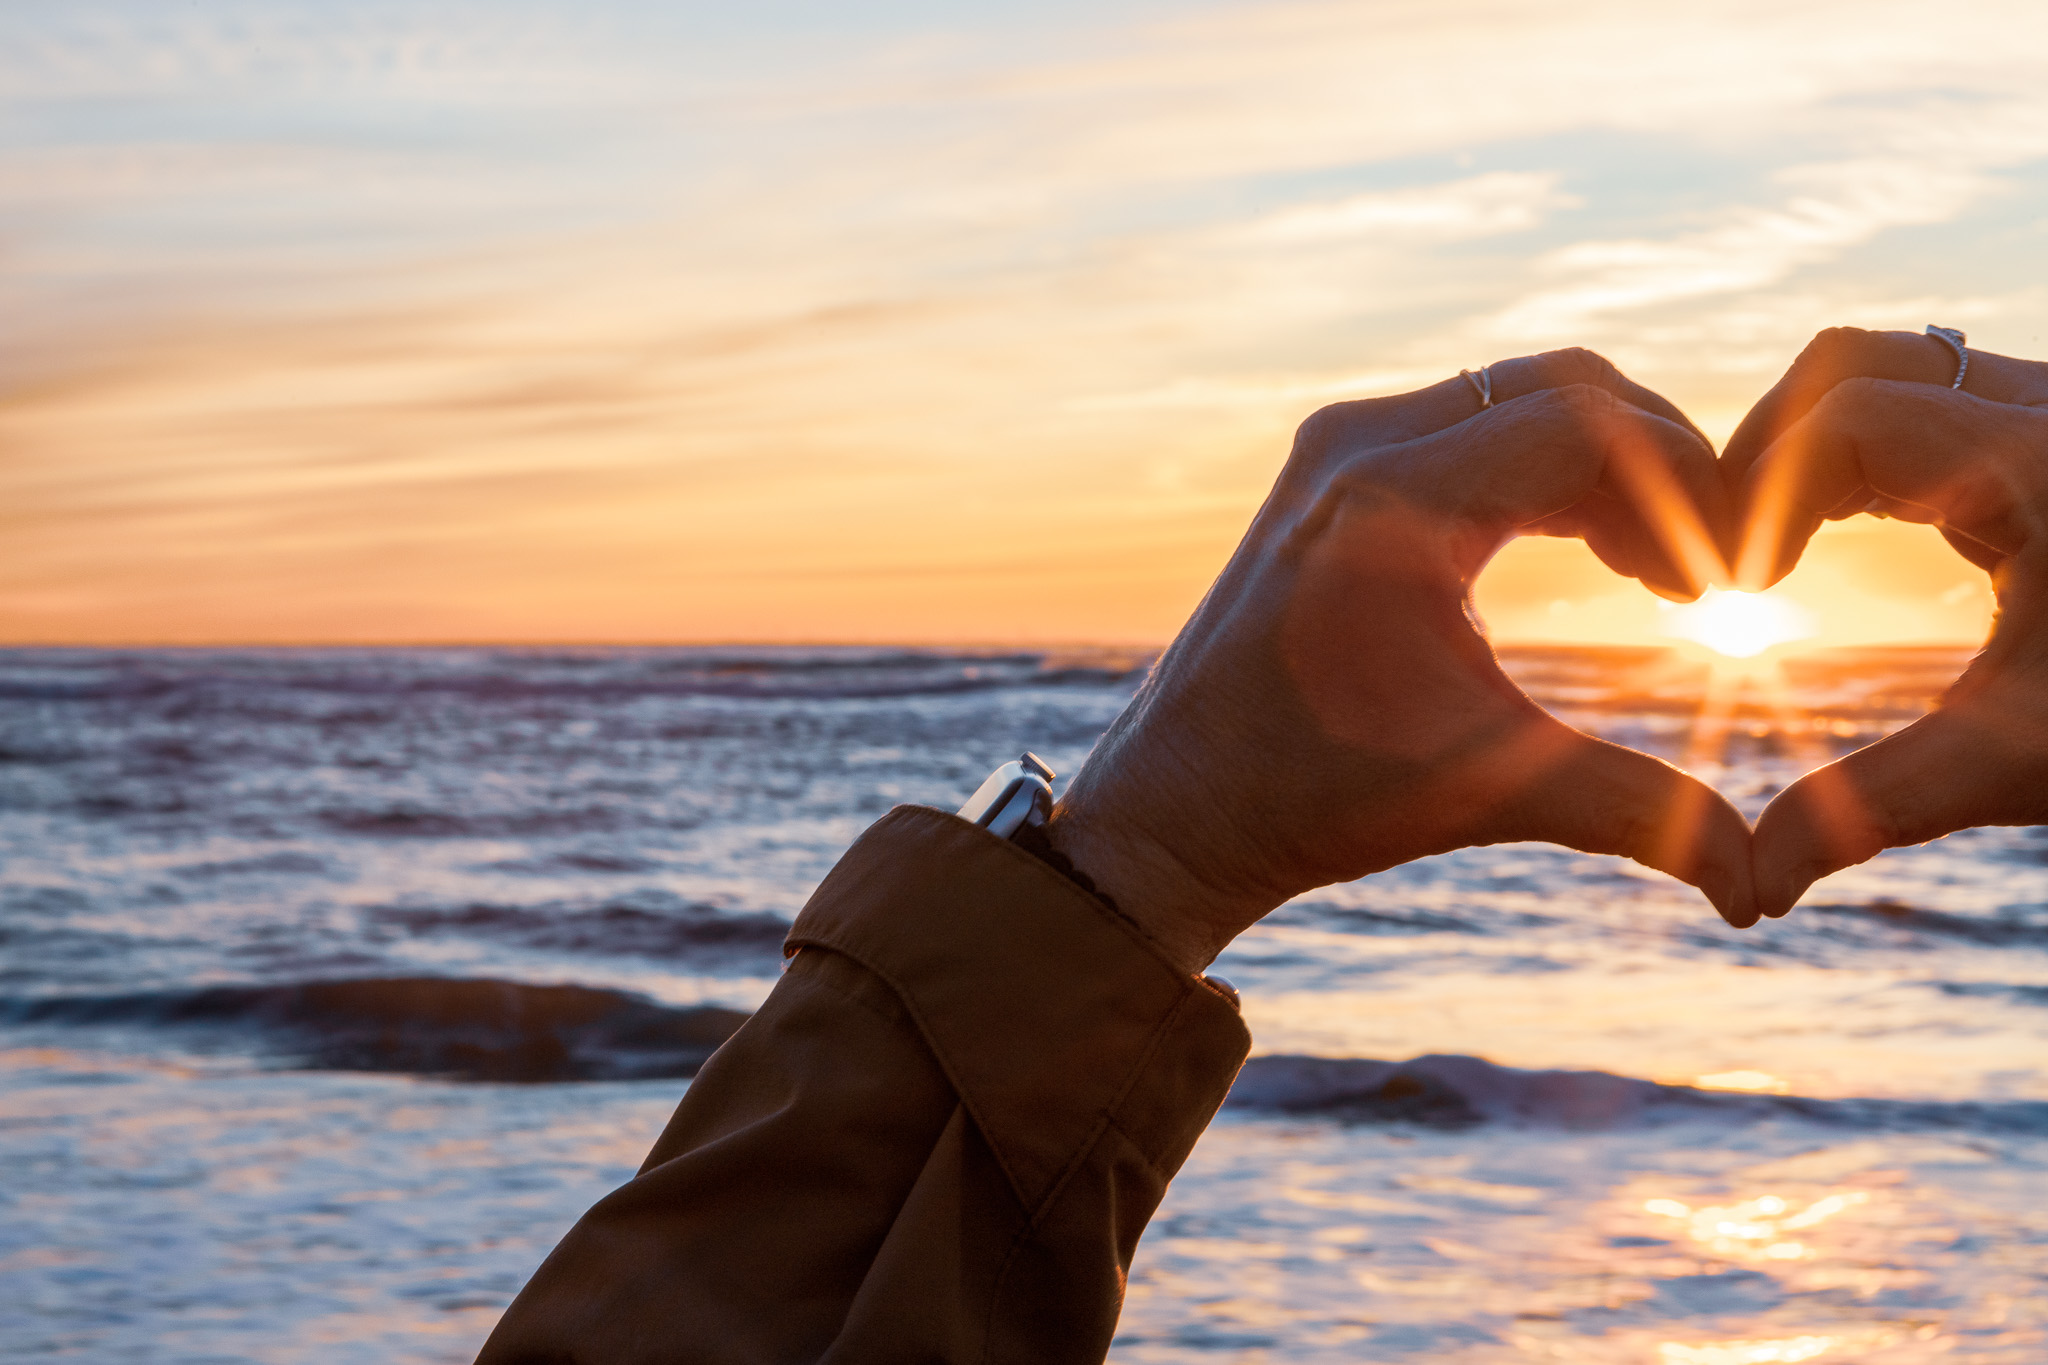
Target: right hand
[
  {"x": 1865, "y": 421},
  {"x": 1332, "y": 710}
]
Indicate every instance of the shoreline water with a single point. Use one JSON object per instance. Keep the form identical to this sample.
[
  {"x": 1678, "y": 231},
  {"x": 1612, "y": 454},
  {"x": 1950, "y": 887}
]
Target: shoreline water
[{"x": 234, "y": 877}]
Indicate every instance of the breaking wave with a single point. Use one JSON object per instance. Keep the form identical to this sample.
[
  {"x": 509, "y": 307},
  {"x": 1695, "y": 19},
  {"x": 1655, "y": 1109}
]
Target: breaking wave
[
  {"x": 493, "y": 1030},
  {"x": 467, "y": 1029},
  {"x": 1448, "y": 1091}
]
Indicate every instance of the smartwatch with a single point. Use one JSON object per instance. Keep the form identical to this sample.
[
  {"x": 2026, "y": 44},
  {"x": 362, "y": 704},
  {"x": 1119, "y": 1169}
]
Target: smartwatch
[
  {"x": 1015, "y": 795},
  {"x": 1014, "y": 804}
]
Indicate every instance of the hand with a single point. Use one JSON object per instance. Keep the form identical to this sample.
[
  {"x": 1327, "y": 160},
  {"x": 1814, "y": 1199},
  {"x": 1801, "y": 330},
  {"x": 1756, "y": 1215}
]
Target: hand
[
  {"x": 1331, "y": 709},
  {"x": 1865, "y": 421}
]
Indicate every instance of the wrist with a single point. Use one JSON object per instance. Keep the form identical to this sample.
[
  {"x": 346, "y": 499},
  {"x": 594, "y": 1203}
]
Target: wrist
[{"x": 1188, "y": 920}]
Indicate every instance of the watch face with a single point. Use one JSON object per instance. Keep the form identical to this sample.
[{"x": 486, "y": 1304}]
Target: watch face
[
  {"x": 1013, "y": 796},
  {"x": 993, "y": 794}
]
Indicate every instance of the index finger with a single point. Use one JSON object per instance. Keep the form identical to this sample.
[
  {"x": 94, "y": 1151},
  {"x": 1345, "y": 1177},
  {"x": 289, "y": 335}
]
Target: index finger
[
  {"x": 1973, "y": 467},
  {"x": 1843, "y": 353},
  {"x": 1564, "y": 451},
  {"x": 1407, "y": 416}
]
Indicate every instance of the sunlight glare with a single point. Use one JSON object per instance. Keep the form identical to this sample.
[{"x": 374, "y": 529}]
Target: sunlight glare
[
  {"x": 1753, "y": 1229},
  {"x": 1754, "y": 1082},
  {"x": 1740, "y": 625},
  {"x": 1752, "y": 1352}
]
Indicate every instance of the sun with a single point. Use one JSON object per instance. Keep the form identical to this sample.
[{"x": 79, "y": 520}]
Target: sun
[{"x": 1738, "y": 625}]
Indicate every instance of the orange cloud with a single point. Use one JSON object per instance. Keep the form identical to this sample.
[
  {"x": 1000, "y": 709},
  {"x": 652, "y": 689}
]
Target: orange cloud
[{"x": 543, "y": 334}]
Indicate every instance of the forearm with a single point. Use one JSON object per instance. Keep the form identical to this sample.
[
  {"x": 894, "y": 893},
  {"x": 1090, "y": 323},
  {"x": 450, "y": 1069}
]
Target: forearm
[{"x": 939, "y": 1139}]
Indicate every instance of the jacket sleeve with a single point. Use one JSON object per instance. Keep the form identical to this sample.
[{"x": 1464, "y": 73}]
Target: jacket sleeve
[{"x": 938, "y": 1140}]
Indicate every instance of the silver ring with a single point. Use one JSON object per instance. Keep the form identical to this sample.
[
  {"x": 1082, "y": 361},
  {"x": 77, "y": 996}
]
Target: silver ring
[
  {"x": 1953, "y": 338},
  {"x": 1482, "y": 384}
]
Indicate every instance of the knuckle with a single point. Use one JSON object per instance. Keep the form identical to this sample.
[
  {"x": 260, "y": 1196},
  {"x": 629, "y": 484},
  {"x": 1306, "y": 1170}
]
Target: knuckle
[
  {"x": 1837, "y": 354},
  {"x": 1562, "y": 412},
  {"x": 1313, "y": 435},
  {"x": 1859, "y": 400},
  {"x": 1585, "y": 396},
  {"x": 1551, "y": 426},
  {"x": 1849, "y": 398},
  {"x": 1577, "y": 365},
  {"x": 1833, "y": 347},
  {"x": 1324, "y": 431}
]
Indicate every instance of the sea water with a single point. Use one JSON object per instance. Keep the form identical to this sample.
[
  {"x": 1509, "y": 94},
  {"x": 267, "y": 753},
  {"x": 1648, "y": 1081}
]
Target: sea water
[{"x": 335, "y": 984}]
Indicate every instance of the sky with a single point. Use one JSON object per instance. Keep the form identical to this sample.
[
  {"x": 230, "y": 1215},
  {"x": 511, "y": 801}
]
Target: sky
[{"x": 450, "y": 320}]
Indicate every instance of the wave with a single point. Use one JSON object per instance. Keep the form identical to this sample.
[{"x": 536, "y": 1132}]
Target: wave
[
  {"x": 688, "y": 930},
  {"x": 483, "y": 1029},
  {"x": 411, "y": 821},
  {"x": 459, "y": 1028},
  {"x": 246, "y": 677},
  {"x": 1448, "y": 1091},
  {"x": 1938, "y": 923}
]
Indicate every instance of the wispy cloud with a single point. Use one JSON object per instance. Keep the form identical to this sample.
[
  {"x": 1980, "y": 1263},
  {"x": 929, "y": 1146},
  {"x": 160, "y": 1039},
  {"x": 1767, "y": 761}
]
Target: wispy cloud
[
  {"x": 1832, "y": 207},
  {"x": 1482, "y": 206},
  {"x": 1754, "y": 248},
  {"x": 583, "y": 308}
]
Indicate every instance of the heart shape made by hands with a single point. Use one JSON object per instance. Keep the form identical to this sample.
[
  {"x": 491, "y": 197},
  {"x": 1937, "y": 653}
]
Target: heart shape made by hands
[
  {"x": 1333, "y": 709},
  {"x": 1882, "y": 423}
]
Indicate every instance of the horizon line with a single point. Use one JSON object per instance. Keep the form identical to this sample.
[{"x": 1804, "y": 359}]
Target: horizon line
[{"x": 876, "y": 643}]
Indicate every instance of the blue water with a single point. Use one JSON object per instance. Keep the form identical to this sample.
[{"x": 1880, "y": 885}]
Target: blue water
[{"x": 334, "y": 984}]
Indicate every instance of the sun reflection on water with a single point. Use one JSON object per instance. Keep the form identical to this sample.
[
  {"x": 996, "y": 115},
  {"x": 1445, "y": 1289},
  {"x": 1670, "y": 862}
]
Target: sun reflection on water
[
  {"x": 1754, "y": 1352},
  {"x": 1749, "y": 1082},
  {"x": 1754, "y": 1229}
]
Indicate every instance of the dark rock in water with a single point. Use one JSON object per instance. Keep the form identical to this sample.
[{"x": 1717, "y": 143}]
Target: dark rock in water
[{"x": 482, "y": 1030}]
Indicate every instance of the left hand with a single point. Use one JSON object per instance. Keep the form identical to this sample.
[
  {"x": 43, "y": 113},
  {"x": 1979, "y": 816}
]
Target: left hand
[{"x": 1332, "y": 709}]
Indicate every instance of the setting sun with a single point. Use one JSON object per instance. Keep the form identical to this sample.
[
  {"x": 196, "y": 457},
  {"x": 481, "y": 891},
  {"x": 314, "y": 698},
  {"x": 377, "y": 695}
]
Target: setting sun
[{"x": 1740, "y": 625}]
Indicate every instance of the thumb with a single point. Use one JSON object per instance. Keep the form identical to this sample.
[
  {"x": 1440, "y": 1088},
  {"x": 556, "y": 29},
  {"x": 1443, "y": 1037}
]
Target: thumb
[
  {"x": 1602, "y": 798},
  {"x": 1940, "y": 774},
  {"x": 1980, "y": 759}
]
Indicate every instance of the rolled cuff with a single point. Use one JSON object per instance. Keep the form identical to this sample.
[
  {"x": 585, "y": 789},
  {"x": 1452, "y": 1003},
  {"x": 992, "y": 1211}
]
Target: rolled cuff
[{"x": 1051, "y": 1015}]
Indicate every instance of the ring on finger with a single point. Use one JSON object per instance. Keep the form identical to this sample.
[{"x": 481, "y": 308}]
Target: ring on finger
[
  {"x": 1482, "y": 384},
  {"x": 1953, "y": 338}
]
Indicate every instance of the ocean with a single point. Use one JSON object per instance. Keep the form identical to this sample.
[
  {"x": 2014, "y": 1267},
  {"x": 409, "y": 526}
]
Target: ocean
[{"x": 335, "y": 984}]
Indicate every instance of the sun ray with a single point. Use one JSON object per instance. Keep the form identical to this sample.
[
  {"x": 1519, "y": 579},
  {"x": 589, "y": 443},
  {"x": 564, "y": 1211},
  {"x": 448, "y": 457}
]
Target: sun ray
[
  {"x": 1670, "y": 512},
  {"x": 1772, "y": 501}
]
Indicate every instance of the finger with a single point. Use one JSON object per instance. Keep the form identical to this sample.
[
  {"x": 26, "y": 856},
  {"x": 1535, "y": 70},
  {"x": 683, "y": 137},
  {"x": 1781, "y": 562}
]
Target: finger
[
  {"x": 1575, "y": 365},
  {"x": 1404, "y": 417},
  {"x": 1543, "y": 457},
  {"x": 1976, "y": 551},
  {"x": 1972, "y": 466},
  {"x": 1603, "y": 798},
  {"x": 1621, "y": 539},
  {"x": 1842, "y": 353},
  {"x": 1943, "y": 773},
  {"x": 1659, "y": 514},
  {"x": 1980, "y": 759}
]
